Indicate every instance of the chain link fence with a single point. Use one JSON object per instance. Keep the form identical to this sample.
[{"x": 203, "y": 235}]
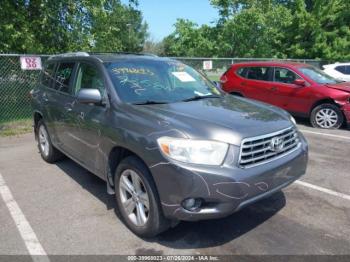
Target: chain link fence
[
  {"x": 220, "y": 65},
  {"x": 15, "y": 83}
]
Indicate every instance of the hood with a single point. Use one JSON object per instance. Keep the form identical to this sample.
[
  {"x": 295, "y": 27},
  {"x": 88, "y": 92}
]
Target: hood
[
  {"x": 344, "y": 86},
  {"x": 227, "y": 119}
]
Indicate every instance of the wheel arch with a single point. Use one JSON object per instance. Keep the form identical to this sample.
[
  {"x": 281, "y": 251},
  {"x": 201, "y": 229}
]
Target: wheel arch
[
  {"x": 236, "y": 93},
  {"x": 37, "y": 116},
  {"x": 115, "y": 156},
  {"x": 323, "y": 101}
]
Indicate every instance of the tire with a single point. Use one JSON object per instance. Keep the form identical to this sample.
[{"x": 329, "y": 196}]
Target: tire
[
  {"x": 47, "y": 151},
  {"x": 155, "y": 222},
  {"x": 236, "y": 94},
  {"x": 327, "y": 116}
]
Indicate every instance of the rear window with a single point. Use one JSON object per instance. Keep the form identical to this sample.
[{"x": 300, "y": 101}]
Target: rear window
[{"x": 47, "y": 75}]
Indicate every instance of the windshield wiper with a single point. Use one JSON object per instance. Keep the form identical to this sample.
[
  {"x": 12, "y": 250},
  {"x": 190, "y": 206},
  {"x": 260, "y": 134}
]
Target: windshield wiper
[
  {"x": 199, "y": 98},
  {"x": 150, "y": 102}
]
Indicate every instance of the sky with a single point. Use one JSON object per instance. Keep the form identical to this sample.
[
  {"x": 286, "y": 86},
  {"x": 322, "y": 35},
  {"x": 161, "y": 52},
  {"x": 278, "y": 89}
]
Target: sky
[{"x": 161, "y": 15}]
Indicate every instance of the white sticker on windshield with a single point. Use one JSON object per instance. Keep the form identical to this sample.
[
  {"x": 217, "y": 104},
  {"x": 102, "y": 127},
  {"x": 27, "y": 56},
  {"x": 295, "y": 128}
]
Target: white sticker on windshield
[{"x": 184, "y": 76}]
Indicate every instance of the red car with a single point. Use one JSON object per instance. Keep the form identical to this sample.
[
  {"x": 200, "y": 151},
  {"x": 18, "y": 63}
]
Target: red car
[{"x": 301, "y": 89}]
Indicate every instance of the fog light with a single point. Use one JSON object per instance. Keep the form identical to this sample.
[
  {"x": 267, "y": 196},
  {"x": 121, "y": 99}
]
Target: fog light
[{"x": 191, "y": 204}]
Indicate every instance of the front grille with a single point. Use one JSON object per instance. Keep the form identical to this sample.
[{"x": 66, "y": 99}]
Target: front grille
[{"x": 261, "y": 149}]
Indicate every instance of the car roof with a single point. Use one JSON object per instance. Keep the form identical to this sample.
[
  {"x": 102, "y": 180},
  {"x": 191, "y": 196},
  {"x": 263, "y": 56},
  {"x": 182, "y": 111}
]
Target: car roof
[
  {"x": 338, "y": 64},
  {"x": 107, "y": 57},
  {"x": 272, "y": 63}
]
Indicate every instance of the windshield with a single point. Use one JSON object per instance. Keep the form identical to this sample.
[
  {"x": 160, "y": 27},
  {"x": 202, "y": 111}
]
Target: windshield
[
  {"x": 150, "y": 81},
  {"x": 318, "y": 76}
]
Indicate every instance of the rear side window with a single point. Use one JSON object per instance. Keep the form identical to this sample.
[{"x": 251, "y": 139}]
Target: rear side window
[
  {"x": 47, "y": 75},
  {"x": 242, "y": 71},
  {"x": 341, "y": 69},
  {"x": 63, "y": 76},
  {"x": 257, "y": 73},
  {"x": 284, "y": 75}
]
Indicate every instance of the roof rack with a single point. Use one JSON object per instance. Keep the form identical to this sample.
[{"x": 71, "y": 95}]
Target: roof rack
[
  {"x": 122, "y": 53},
  {"x": 70, "y": 54}
]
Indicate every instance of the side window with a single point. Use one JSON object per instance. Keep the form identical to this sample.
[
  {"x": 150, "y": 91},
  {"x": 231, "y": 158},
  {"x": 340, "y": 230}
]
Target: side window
[
  {"x": 258, "y": 73},
  {"x": 89, "y": 78},
  {"x": 284, "y": 75},
  {"x": 63, "y": 76},
  {"x": 242, "y": 71},
  {"x": 341, "y": 69},
  {"x": 47, "y": 75},
  {"x": 347, "y": 70}
]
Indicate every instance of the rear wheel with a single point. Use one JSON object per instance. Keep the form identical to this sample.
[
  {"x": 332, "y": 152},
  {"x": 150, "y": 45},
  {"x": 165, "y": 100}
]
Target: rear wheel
[
  {"x": 327, "y": 116},
  {"x": 47, "y": 151},
  {"x": 137, "y": 198}
]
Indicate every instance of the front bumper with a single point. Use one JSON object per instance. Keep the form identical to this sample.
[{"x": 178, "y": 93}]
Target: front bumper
[{"x": 224, "y": 189}]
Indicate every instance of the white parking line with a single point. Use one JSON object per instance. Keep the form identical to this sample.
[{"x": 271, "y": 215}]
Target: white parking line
[
  {"x": 323, "y": 134},
  {"x": 324, "y": 190},
  {"x": 30, "y": 240}
]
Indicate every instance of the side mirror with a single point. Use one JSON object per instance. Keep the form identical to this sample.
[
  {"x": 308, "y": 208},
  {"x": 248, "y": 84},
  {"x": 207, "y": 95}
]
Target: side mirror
[
  {"x": 89, "y": 96},
  {"x": 299, "y": 82}
]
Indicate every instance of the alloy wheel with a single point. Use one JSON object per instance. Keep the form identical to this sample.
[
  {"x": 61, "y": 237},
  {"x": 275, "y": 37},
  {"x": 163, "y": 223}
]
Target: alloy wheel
[
  {"x": 134, "y": 197},
  {"x": 326, "y": 118},
  {"x": 44, "y": 140}
]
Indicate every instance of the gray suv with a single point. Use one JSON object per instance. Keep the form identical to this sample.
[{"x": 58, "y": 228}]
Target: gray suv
[{"x": 168, "y": 143}]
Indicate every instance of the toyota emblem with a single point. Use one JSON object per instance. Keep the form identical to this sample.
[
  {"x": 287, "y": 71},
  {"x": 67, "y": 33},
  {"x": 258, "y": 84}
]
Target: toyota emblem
[{"x": 276, "y": 144}]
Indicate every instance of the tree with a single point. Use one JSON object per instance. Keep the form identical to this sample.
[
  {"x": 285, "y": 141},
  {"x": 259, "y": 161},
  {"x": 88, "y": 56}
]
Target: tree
[
  {"x": 49, "y": 26},
  {"x": 268, "y": 28},
  {"x": 151, "y": 46},
  {"x": 190, "y": 40},
  {"x": 320, "y": 29}
]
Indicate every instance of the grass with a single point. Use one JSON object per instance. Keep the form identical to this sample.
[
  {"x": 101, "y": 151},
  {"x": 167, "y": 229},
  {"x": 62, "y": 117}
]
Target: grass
[
  {"x": 16, "y": 127},
  {"x": 214, "y": 77}
]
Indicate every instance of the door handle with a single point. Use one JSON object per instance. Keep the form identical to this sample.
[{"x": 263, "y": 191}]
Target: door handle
[
  {"x": 274, "y": 88},
  {"x": 243, "y": 84},
  {"x": 68, "y": 107},
  {"x": 45, "y": 98},
  {"x": 81, "y": 115}
]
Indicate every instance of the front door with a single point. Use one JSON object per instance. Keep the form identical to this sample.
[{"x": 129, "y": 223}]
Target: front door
[
  {"x": 257, "y": 85},
  {"x": 289, "y": 96},
  {"x": 90, "y": 119}
]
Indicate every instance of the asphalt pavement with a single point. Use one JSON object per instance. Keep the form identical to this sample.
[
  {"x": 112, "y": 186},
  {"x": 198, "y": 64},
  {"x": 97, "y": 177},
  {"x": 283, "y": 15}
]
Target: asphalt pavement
[{"x": 65, "y": 210}]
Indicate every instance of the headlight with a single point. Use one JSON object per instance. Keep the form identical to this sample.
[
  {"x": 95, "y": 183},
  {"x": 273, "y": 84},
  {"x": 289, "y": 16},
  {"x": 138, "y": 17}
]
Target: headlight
[
  {"x": 193, "y": 151},
  {"x": 293, "y": 120}
]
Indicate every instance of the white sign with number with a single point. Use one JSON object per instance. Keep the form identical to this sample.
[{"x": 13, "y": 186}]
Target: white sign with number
[
  {"x": 30, "y": 63},
  {"x": 208, "y": 65}
]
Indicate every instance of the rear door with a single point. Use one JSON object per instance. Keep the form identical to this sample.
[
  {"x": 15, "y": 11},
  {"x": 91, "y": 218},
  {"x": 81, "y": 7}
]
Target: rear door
[
  {"x": 286, "y": 94},
  {"x": 60, "y": 100},
  {"x": 256, "y": 83}
]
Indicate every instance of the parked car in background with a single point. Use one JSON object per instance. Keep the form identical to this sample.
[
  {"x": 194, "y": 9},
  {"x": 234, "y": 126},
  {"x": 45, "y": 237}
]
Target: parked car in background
[
  {"x": 301, "y": 89},
  {"x": 339, "y": 71},
  {"x": 169, "y": 145}
]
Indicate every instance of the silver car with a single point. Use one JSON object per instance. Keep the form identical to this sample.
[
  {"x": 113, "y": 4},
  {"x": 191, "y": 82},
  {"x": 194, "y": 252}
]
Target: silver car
[{"x": 168, "y": 143}]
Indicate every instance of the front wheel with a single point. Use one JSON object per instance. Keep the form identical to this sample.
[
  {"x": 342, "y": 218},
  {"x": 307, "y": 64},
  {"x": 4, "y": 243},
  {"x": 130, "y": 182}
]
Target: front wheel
[
  {"x": 137, "y": 198},
  {"x": 327, "y": 116}
]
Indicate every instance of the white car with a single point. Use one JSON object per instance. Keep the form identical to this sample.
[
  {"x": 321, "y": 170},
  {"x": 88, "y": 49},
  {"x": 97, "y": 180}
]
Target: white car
[{"x": 339, "y": 71}]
